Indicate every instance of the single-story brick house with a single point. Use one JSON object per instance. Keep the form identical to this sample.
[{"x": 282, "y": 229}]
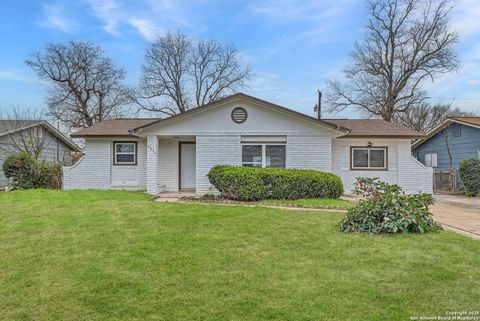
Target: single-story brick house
[{"x": 176, "y": 153}]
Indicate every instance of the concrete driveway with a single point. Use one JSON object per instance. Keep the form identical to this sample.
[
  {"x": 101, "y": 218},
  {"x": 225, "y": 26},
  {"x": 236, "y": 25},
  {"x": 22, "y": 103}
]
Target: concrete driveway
[{"x": 458, "y": 213}]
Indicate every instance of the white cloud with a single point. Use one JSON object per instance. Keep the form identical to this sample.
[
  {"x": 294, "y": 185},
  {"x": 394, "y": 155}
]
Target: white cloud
[
  {"x": 143, "y": 16},
  {"x": 55, "y": 18},
  {"x": 146, "y": 28},
  {"x": 465, "y": 17},
  {"x": 17, "y": 75},
  {"x": 301, "y": 10},
  {"x": 109, "y": 12}
]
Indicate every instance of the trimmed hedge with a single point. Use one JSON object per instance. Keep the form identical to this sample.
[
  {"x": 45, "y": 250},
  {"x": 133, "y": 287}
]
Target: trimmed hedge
[
  {"x": 469, "y": 172},
  {"x": 26, "y": 172},
  {"x": 253, "y": 183}
]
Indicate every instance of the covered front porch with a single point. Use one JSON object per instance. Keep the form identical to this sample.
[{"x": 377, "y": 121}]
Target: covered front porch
[
  {"x": 171, "y": 164},
  {"x": 182, "y": 162}
]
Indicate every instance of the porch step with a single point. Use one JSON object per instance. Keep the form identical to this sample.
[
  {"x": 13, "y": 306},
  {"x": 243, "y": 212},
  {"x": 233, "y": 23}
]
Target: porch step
[
  {"x": 166, "y": 199},
  {"x": 173, "y": 196}
]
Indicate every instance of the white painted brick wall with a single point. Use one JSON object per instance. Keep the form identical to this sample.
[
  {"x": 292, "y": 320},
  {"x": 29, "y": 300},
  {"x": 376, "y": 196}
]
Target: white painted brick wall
[
  {"x": 158, "y": 162},
  {"x": 168, "y": 165},
  {"x": 309, "y": 152},
  {"x": 93, "y": 170},
  {"x": 402, "y": 168},
  {"x": 215, "y": 150},
  {"x": 142, "y": 164},
  {"x": 413, "y": 176},
  {"x": 152, "y": 164}
]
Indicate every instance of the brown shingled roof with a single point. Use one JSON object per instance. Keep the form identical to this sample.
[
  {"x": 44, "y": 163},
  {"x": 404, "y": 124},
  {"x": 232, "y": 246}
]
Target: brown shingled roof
[
  {"x": 351, "y": 127},
  {"x": 114, "y": 127},
  {"x": 374, "y": 128},
  {"x": 469, "y": 120}
]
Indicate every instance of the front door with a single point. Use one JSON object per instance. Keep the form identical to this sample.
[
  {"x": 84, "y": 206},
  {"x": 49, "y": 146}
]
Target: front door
[{"x": 187, "y": 166}]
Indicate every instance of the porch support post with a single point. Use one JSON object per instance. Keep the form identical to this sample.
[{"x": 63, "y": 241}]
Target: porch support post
[{"x": 152, "y": 162}]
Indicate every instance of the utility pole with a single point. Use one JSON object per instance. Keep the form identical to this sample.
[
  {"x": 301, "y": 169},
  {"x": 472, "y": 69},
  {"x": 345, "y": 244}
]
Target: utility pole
[
  {"x": 318, "y": 106},
  {"x": 58, "y": 153}
]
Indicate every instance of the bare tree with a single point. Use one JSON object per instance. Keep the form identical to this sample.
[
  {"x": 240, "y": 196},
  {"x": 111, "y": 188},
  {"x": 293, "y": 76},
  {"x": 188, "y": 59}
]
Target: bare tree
[
  {"x": 425, "y": 117},
  {"x": 179, "y": 74},
  {"x": 22, "y": 131},
  {"x": 165, "y": 73},
  {"x": 406, "y": 43},
  {"x": 87, "y": 87},
  {"x": 217, "y": 70}
]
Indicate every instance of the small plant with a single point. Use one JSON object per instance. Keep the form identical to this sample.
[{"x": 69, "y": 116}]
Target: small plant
[
  {"x": 253, "y": 184},
  {"x": 387, "y": 209},
  {"x": 469, "y": 172}
]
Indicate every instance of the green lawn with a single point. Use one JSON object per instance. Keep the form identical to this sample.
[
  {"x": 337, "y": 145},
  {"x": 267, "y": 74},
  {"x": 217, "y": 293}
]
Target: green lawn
[
  {"x": 92, "y": 255},
  {"x": 327, "y": 202}
]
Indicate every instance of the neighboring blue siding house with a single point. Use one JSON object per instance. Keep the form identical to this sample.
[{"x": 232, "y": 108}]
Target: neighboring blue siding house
[{"x": 463, "y": 140}]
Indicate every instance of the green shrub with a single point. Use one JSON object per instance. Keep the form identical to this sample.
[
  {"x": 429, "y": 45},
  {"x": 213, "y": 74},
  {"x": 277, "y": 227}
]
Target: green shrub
[
  {"x": 469, "y": 172},
  {"x": 21, "y": 168},
  {"x": 48, "y": 175},
  {"x": 238, "y": 183},
  {"x": 300, "y": 183},
  {"x": 252, "y": 183},
  {"x": 387, "y": 210},
  {"x": 26, "y": 172}
]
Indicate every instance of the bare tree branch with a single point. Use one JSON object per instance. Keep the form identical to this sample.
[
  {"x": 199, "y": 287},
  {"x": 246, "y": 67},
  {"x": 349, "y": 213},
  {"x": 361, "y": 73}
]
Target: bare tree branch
[
  {"x": 87, "y": 87},
  {"x": 424, "y": 117},
  {"x": 406, "y": 42},
  {"x": 179, "y": 74}
]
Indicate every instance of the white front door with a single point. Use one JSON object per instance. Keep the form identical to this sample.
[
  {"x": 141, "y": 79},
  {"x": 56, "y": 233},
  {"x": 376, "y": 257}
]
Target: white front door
[{"x": 187, "y": 165}]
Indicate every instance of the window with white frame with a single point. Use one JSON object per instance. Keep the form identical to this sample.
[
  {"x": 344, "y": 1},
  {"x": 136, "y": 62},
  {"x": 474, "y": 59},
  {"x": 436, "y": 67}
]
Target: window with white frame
[
  {"x": 369, "y": 158},
  {"x": 263, "y": 155},
  {"x": 431, "y": 159},
  {"x": 125, "y": 153}
]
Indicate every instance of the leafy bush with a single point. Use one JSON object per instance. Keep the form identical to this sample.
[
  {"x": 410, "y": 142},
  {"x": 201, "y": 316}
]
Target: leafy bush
[
  {"x": 253, "y": 183},
  {"x": 301, "y": 183},
  {"x": 387, "y": 209},
  {"x": 26, "y": 172},
  {"x": 469, "y": 172},
  {"x": 238, "y": 183},
  {"x": 21, "y": 168},
  {"x": 48, "y": 175}
]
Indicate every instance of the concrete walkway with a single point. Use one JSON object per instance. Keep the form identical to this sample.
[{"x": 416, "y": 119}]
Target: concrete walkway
[{"x": 458, "y": 213}]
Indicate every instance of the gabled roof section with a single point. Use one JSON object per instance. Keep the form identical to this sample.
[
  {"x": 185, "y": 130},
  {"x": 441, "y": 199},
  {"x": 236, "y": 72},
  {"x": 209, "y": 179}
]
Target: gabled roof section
[
  {"x": 8, "y": 126},
  {"x": 348, "y": 128},
  {"x": 11, "y": 126},
  {"x": 475, "y": 121},
  {"x": 114, "y": 127},
  {"x": 374, "y": 128},
  {"x": 467, "y": 121},
  {"x": 249, "y": 98}
]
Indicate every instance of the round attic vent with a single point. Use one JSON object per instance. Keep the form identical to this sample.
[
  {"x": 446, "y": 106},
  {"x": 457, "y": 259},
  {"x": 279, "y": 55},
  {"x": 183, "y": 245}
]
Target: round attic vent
[{"x": 239, "y": 115}]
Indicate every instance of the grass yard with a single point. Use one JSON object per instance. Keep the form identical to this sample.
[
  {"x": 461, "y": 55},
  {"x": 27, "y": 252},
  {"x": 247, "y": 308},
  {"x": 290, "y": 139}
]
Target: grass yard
[
  {"x": 314, "y": 202},
  {"x": 112, "y": 255}
]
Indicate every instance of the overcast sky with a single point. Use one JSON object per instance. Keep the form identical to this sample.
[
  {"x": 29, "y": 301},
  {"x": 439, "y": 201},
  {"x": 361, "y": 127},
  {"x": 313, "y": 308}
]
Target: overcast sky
[{"x": 292, "y": 46}]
